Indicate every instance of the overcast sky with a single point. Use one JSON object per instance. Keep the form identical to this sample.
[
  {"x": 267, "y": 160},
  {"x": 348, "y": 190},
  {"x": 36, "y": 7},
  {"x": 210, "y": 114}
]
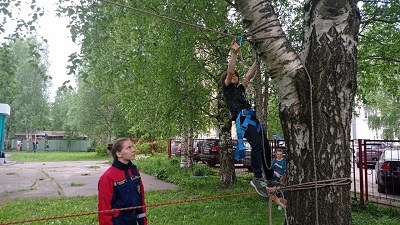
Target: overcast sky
[{"x": 60, "y": 45}]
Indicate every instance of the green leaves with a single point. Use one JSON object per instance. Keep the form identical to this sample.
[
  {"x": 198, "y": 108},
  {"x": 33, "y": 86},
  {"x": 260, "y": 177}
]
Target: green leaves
[
  {"x": 24, "y": 26},
  {"x": 29, "y": 85},
  {"x": 379, "y": 64}
]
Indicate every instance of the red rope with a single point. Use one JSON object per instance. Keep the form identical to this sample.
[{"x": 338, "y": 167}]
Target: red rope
[{"x": 128, "y": 208}]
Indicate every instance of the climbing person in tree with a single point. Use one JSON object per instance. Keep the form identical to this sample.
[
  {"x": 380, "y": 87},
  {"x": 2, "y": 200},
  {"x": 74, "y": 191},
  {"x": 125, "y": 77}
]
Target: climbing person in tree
[
  {"x": 121, "y": 187},
  {"x": 247, "y": 125}
]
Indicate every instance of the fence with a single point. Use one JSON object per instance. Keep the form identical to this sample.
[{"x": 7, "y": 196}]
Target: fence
[
  {"x": 375, "y": 167},
  {"x": 55, "y": 145}
]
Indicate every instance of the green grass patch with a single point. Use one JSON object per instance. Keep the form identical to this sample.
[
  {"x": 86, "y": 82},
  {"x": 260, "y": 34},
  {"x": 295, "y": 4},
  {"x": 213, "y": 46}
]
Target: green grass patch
[
  {"x": 11, "y": 173},
  {"x": 371, "y": 214},
  {"x": 93, "y": 167},
  {"x": 75, "y": 184},
  {"x": 232, "y": 210},
  {"x": 55, "y": 156}
]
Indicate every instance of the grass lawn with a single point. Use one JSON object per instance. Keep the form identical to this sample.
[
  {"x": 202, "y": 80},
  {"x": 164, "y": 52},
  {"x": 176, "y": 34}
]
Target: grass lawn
[
  {"x": 243, "y": 209},
  {"x": 54, "y": 156}
]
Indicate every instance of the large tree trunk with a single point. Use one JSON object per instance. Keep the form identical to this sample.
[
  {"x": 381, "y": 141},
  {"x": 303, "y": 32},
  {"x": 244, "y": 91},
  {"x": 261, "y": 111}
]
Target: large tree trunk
[
  {"x": 187, "y": 149},
  {"x": 316, "y": 93},
  {"x": 227, "y": 164}
]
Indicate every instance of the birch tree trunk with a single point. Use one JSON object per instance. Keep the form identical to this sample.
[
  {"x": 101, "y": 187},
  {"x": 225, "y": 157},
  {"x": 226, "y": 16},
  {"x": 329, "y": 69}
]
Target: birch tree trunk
[
  {"x": 316, "y": 92},
  {"x": 187, "y": 149},
  {"x": 227, "y": 163}
]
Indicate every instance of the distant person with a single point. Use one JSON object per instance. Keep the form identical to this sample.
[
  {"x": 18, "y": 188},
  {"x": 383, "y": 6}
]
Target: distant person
[
  {"x": 279, "y": 165},
  {"x": 19, "y": 146},
  {"x": 120, "y": 187},
  {"x": 34, "y": 146},
  {"x": 3, "y": 157},
  {"x": 37, "y": 145}
]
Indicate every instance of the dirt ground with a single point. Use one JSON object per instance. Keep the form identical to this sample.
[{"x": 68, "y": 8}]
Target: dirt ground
[{"x": 57, "y": 179}]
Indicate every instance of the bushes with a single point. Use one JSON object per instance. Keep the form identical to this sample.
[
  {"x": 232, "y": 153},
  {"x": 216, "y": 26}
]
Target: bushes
[
  {"x": 202, "y": 170},
  {"x": 92, "y": 148},
  {"x": 101, "y": 151},
  {"x": 144, "y": 146}
]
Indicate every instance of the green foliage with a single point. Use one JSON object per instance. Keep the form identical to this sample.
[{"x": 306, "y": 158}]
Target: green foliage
[
  {"x": 378, "y": 64},
  {"x": 8, "y": 83},
  {"x": 161, "y": 174},
  {"x": 61, "y": 114},
  {"x": 174, "y": 161},
  {"x": 92, "y": 148},
  {"x": 274, "y": 123},
  {"x": 29, "y": 100},
  {"x": 229, "y": 210},
  {"x": 147, "y": 146},
  {"x": 76, "y": 184},
  {"x": 101, "y": 151},
  {"x": 291, "y": 15},
  {"x": 201, "y": 171},
  {"x": 143, "y": 147},
  {"x": 161, "y": 146},
  {"x": 72, "y": 137},
  {"x": 165, "y": 94},
  {"x": 23, "y": 23},
  {"x": 371, "y": 213}
]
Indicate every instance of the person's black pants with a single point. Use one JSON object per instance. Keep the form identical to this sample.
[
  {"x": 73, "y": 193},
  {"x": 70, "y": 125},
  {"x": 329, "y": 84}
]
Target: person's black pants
[{"x": 260, "y": 152}]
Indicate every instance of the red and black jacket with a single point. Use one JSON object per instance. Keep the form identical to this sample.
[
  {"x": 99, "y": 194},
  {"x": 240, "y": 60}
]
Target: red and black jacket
[{"x": 119, "y": 187}]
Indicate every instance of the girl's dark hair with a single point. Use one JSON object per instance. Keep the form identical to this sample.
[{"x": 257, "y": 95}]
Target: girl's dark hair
[
  {"x": 223, "y": 77},
  {"x": 117, "y": 147},
  {"x": 224, "y": 74}
]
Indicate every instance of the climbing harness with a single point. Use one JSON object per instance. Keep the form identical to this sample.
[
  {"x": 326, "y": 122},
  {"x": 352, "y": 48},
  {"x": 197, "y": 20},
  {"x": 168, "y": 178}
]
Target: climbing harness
[{"x": 241, "y": 129}]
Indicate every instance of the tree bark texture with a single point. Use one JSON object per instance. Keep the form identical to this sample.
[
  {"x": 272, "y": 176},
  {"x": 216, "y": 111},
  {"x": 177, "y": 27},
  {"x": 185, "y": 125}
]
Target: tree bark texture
[
  {"x": 316, "y": 91},
  {"x": 187, "y": 149},
  {"x": 227, "y": 164}
]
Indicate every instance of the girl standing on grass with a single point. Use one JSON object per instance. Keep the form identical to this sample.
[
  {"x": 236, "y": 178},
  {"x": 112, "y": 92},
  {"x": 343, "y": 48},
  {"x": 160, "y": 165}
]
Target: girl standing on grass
[{"x": 120, "y": 187}]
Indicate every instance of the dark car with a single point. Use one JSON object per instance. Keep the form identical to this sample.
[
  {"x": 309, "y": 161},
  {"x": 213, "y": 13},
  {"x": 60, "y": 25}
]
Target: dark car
[
  {"x": 246, "y": 161},
  {"x": 373, "y": 151},
  {"x": 197, "y": 148},
  {"x": 210, "y": 152},
  {"x": 176, "y": 147},
  {"x": 388, "y": 170}
]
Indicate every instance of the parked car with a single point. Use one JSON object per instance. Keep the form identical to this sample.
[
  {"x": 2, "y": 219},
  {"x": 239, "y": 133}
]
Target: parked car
[
  {"x": 278, "y": 145},
  {"x": 373, "y": 151},
  {"x": 210, "y": 152},
  {"x": 176, "y": 147},
  {"x": 388, "y": 170},
  {"x": 197, "y": 148},
  {"x": 246, "y": 161}
]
